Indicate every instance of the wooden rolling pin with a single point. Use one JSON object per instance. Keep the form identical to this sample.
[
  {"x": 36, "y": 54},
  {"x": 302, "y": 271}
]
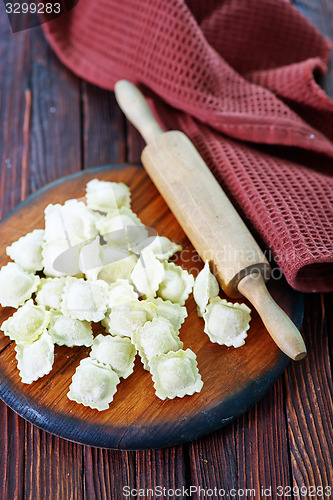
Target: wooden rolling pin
[{"x": 208, "y": 218}]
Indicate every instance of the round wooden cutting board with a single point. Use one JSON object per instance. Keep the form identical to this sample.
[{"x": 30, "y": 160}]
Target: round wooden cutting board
[{"x": 234, "y": 379}]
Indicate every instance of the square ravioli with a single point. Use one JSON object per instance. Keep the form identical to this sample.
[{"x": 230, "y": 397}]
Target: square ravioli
[
  {"x": 27, "y": 251},
  {"x": 27, "y": 324},
  {"x": 49, "y": 292},
  {"x": 155, "y": 337},
  {"x": 16, "y": 285},
  {"x": 93, "y": 384},
  {"x": 70, "y": 332},
  {"x": 227, "y": 323},
  {"x": 175, "y": 313},
  {"x": 85, "y": 300},
  {"x": 107, "y": 196},
  {"x": 126, "y": 317},
  {"x": 175, "y": 374},
  {"x": 36, "y": 359},
  {"x": 118, "y": 352},
  {"x": 176, "y": 284}
]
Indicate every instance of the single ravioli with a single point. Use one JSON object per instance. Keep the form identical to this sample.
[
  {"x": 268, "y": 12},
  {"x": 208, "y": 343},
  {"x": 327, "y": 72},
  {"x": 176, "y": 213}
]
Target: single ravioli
[
  {"x": 27, "y": 324},
  {"x": 107, "y": 196},
  {"x": 72, "y": 222},
  {"x": 155, "y": 337},
  {"x": 85, "y": 300},
  {"x": 93, "y": 384},
  {"x": 175, "y": 374},
  {"x": 175, "y": 313},
  {"x": 49, "y": 292},
  {"x": 16, "y": 285},
  {"x": 148, "y": 273},
  {"x": 176, "y": 285},
  {"x": 36, "y": 359},
  {"x": 121, "y": 291},
  {"x": 118, "y": 352},
  {"x": 70, "y": 332},
  {"x": 121, "y": 269},
  {"x": 227, "y": 323},
  {"x": 205, "y": 287},
  {"x": 61, "y": 258},
  {"x": 27, "y": 251},
  {"x": 126, "y": 317}
]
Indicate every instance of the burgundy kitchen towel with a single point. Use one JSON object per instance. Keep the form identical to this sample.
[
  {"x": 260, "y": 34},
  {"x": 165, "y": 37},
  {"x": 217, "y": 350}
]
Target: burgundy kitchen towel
[{"x": 238, "y": 78}]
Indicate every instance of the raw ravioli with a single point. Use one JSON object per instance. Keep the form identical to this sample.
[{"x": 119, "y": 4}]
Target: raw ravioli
[
  {"x": 118, "y": 352},
  {"x": 176, "y": 285},
  {"x": 36, "y": 359},
  {"x": 121, "y": 291},
  {"x": 61, "y": 258},
  {"x": 148, "y": 273},
  {"x": 126, "y": 317},
  {"x": 175, "y": 313},
  {"x": 27, "y": 251},
  {"x": 107, "y": 196},
  {"x": 93, "y": 384},
  {"x": 50, "y": 291},
  {"x": 16, "y": 285},
  {"x": 227, "y": 323},
  {"x": 205, "y": 287},
  {"x": 27, "y": 324},
  {"x": 155, "y": 337},
  {"x": 121, "y": 269},
  {"x": 84, "y": 300},
  {"x": 175, "y": 374},
  {"x": 70, "y": 332},
  {"x": 72, "y": 222}
]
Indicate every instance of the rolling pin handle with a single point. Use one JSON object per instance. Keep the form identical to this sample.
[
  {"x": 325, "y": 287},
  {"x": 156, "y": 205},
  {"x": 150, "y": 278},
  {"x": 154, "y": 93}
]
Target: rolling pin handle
[
  {"x": 278, "y": 324},
  {"x": 135, "y": 107}
]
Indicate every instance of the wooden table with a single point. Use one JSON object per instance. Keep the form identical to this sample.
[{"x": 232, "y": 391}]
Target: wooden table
[{"x": 54, "y": 124}]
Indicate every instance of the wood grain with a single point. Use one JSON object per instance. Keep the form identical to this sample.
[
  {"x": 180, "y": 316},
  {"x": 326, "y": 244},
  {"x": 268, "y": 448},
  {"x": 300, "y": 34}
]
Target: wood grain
[
  {"x": 103, "y": 128},
  {"x": 309, "y": 404},
  {"x": 135, "y": 421}
]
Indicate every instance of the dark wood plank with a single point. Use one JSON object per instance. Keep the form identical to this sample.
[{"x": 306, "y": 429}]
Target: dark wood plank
[
  {"x": 53, "y": 466},
  {"x": 55, "y": 135},
  {"x": 135, "y": 144},
  {"x": 104, "y": 140},
  {"x": 161, "y": 472},
  {"x": 14, "y": 106},
  {"x": 261, "y": 435},
  {"x": 213, "y": 461},
  {"x": 309, "y": 403},
  {"x": 12, "y": 457},
  {"x": 107, "y": 473}
]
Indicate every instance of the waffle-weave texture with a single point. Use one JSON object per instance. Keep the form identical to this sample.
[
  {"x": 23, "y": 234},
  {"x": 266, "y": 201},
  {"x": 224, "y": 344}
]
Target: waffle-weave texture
[{"x": 237, "y": 77}]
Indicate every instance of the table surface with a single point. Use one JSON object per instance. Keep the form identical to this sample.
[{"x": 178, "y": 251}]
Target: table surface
[{"x": 54, "y": 124}]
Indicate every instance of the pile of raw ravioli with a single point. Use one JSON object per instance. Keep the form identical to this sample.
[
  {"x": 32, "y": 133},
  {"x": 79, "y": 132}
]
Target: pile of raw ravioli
[{"x": 96, "y": 262}]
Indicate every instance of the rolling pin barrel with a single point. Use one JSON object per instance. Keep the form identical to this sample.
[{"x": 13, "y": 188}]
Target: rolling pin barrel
[{"x": 207, "y": 216}]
